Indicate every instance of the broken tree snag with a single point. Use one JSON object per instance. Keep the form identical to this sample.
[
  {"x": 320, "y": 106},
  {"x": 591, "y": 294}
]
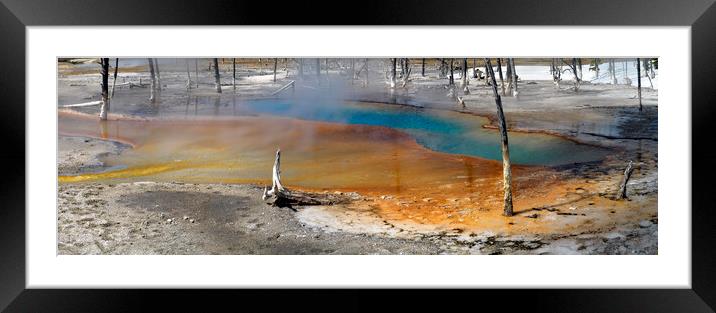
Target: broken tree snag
[
  {"x": 622, "y": 187},
  {"x": 506, "y": 171},
  {"x": 282, "y": 197},
  {"x": 104, "y": 71}
]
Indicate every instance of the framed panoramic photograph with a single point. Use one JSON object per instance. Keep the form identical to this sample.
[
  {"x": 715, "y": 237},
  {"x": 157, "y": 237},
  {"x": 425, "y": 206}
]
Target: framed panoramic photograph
[{"x": 550, "y": 151}]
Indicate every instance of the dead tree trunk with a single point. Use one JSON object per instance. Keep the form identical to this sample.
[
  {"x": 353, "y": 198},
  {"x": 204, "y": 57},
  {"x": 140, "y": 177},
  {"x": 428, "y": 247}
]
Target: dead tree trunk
[
  {"x": 622, "y": 187},
  {"x": 159, "y": 75},
  {"x": 465, "y": 89},
  {"x": 282, "y": 197},
  {"x": 422, "y": 71},
  {"x": 509, "y": 75},
  {"x": 514, "y": 77},
  {"x": 114, "y": 79},
  {"x": 196, "y": 71},
  {"x": 153, "y": 87},
  {"x": 638, "y": 80},
  {"x": 104, "y": 71},
  {"x": 275, "y": 66},
  {"x": 217, "y": 76},
  {"x": 233, "y": 75},
  {"x": 393, "y": 72},
  {"x": 502, "y": 81},
  {"x": 452, "y": 74},
  {"x": 506, "y": 170},
  {"x": 577, "y": 80},
  {"x": 365, "y": 65},
  {"x": 188, "y": 75}
]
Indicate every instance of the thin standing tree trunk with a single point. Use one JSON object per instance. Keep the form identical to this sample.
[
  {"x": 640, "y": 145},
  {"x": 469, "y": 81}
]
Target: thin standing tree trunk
[
  {"x": 217, "y": 76},
  {"x": 575, "y": 71},
  {"x": 114, "y": 79},
  {"x": 159, "y": 75},
  {"x": 188, "y": 75},
  {"x": 502, "y": 81},
  {"x": 196, "y": 71},
  {"x": 153, "y": 86},
  {"x": 300, "y": 68},
  {"x": 275, "y": 66},
  {"x": 509, "y": 75},
  {"x": 514, "y": 78},
  {"x": 393, "y": 73},
  {"x": 233, "y": 70},
  {"x": 452, "y": 74},
  {"x": 104, "y": 71},
  {"x": 366, "y": 72},
  {"x": 464, "y": 71},
  {"x": 506, "y": 170},
  {"x": 474, "y": 68},
  {"x": 638, "y": 80},
  {"x": 422, "y": 72}
]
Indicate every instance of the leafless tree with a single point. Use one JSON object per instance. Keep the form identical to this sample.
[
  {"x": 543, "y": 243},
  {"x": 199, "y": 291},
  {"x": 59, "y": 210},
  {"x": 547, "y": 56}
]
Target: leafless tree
[
  {"x": 104, "y": 72},
  {"x": 153, "y": 85},
  {"x": 233, "y": 70},
  {"x": 275, "y": 66},
  {"x": 452, "y": 74},
  {"x": 638, "y": 80},
  {"x": 465, "y": 89},
  {"x": 188, "y": 75},
  {"x": 499, "y": 69},
  {"x": 506, "y": 168},
  {"x": 217, "y": 76},
  {"x": 114, "y": 79},
  {"x": 159, "y": 75},
  {"x": 422, "y": 71},
  {"x": 196, "y": 71}
]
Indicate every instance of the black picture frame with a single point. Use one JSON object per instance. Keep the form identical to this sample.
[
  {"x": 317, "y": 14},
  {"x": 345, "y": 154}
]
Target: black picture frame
[{"x": 15, "y": 15}]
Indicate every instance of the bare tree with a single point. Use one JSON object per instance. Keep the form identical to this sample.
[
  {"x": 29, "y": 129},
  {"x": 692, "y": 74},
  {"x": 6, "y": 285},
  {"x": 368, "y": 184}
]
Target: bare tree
[
  {"x": 188, "y": 75},
  {"x": 196, "y": 71},
  {"x": 217, "y": 76},
  {"x": 104, "y": 71},
  {"x": 573, "y": 68},
  {"x": 159, "y": 76},
  {"x": 638, "y": 80},
  {"x": 499, "y": 69},
  {"x": 365, "y": 65},
  {"x": 233, "y": 70},
  {"x": 452, "y": 74},
  {"x": 275, "y": 66},
  {"x": 153, "y": 86},
  {"x": 393, "y": 73},
  {"x": 422, "y": 72},
  {"x": 506, "y": 168},
  {"x": 513, "y": 71},
  {"x": 465, "y": 89},
  {"x": 114, "y": 79}
]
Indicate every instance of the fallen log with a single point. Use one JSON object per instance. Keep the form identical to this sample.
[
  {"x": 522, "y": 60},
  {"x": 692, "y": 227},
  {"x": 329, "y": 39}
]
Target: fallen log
[
  {"x": 622, "y": 187},
  {"x": 86, "y": 104}
]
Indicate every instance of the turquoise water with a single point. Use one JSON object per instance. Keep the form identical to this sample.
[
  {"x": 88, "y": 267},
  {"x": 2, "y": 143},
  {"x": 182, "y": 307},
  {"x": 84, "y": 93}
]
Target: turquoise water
[{"x": 447, "y": 132}]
